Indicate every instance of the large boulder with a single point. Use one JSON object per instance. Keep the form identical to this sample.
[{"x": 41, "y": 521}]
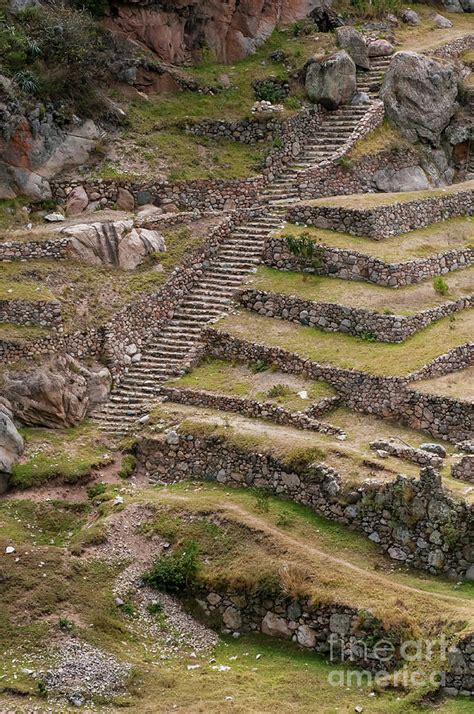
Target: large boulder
[
  {"x": 380, "y": 48},
  {"x": 352, "y": 41},
  {"x": 11, "y": 443},
  {"x": 419, "y": 95},
  {"x": 467, "y": 5},
  {"x": 54, "y": 395},
  {"x": 413, "y": 178},
  {"x": 331, "y": 82},
  {"x": 77, "y": 201},
  {"x": 117, "y": 244}
]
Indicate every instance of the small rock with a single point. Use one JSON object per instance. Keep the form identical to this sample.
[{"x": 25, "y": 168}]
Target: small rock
[
  {"x": 9, "y": 549},
  {"x": 54, "y": 217},
  {"x": 410, "y": 17},
  {"x": 117, "y": 500},
  {"x": 442, "y": 22},
  {"x": 119, "y": 602}
]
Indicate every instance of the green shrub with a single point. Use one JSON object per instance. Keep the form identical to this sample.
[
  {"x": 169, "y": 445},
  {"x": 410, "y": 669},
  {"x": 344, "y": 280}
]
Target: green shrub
[
  {"x": 175, "y": 572},
  {"x": 258, "y": 365},
  {"x": 96, "y": 490},
  {"x": 128, "y": 466},
  {"x": 440, "y": 286},
  {"x": 272, "y": 89},
  {"x": 279, "y": 390},
  {"x": 304, "y": 248}
]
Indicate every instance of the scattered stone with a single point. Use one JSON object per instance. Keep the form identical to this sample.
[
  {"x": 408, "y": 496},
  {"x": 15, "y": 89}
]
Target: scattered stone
[
  {"x": 442, "y": 22},
  {"x": 125, "y": 200},
  {"x": 410, "y": 17},
  {"x": 77, "y": 201},
  {"x": 54, "y": 217},
  {"x": 9, "y": 550},
  {"x": 437, "y": 449}
]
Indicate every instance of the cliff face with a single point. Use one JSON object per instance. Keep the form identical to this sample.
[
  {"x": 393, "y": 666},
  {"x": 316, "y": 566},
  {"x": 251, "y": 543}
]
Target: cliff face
[{"x": 176, "y": 30}]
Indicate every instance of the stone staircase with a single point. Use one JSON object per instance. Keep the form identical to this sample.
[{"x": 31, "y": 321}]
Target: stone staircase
[
  {"x": 168, "y": 354},
  {"x": 333, "y": 132}
]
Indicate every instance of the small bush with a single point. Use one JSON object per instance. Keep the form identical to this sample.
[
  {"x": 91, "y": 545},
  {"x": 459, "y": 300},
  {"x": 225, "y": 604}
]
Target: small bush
[
  {"x": 440, "y": 286},
  {"x": 98, "y": 489},
  {"x": 155, "y": 608},
  {"x": 128, "y": 466},
  {"x": 258, "y": 365},
  {"x": 262, "y": 500},
  {"x": 175, "y": 572},
  {"x": 279, "y": 390},
  {"x": 271, "y": 89}
]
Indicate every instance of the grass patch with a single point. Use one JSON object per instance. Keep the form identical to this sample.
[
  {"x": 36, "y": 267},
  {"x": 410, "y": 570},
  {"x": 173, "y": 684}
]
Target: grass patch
[
  {"x": 458, "y": 385},
  {"x": 383, "y": 138},
  {"x": 23, "y": 290},
  {"x": 239, "y": 380},
  {"x": 21, "y": 333},
  {"x": 352, "y": 352},
  {"x": 404, "y": 301},
  {"x": 65, "y": 455},
  {"x": 454, "y": 234}
]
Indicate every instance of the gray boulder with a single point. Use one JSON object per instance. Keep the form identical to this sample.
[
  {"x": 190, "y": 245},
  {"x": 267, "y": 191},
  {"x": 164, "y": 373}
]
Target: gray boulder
[
  {"x": 410, "y": 17},
  {"x": 116, "y": 244},
  {"x": 52, "y": 395},
  {"x": 452, "y": 6},
  {"x": 390, "y": 180},
  {"x": 352, "y": 41},
  {"x": 467, "y": 5},
  {"x": 77, "y": 201},
  {"x": 331, "y": 82},
  {"x": 419, "y": 95},
  {"x": 442, "y": 22},
  {"x": 11, "y": 443},
  {"x": 17, "y": 181},
  {"x": 380, "y": 48}
]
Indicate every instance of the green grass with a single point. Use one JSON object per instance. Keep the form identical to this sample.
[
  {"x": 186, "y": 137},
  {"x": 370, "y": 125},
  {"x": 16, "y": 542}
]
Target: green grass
[
  {"x": 64, "y": 455},
  {"x": 383, "y": 138},
  {"x": 23, "y": 290},
  {"x": 240, "y": 380},
  {"x": 454, "y": 234},
  {"x": 404, "y": 301},
  {"x": 353, "y": 352},
  {"x": 21, "y": 333}
]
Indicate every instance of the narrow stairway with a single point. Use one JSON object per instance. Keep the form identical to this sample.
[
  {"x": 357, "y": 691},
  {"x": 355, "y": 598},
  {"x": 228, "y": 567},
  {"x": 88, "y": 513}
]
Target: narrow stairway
[{"x": 167, "y": 354}]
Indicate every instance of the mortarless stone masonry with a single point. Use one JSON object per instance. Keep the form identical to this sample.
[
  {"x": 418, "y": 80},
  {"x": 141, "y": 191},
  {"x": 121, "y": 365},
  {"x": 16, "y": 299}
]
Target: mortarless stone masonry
[
  {"x": 44, "y": 313},
  {"x": 332, "y": 317}
]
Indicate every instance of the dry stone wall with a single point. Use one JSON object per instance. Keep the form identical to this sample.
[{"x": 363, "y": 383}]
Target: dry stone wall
[
  {"x": 248, "y": 407},
  {"x": 464, "y": 468},
  {"x": 352, "y": 265},
  {"x": 246, "y": 131},
  {"x": 455, "y": 47},
  {"x": 414, "y": 521},
  {"x": 335, "y": 629},
  {"x": 33, "y": 250},
  {"x": 386, "y": 220},
  {"x": 403, "y": 451},
  {"x": 332, "y": 317},
  {"x": 452, "y": 361},
  {"x": 79, "y": 344},
  {"x": 386, "y": 397},
  {"x": 45, "y": 313}
]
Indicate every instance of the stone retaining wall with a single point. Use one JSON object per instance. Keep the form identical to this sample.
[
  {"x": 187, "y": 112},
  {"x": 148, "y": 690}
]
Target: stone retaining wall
[
  {"x": 45, "y": 313},
  {"x": 247, "y": 407},
  {"x": 255, "y": 130},
  {"x": 332, "y": 317},
  {"x": 452, "y": 361},
  {"x": 333, "y": 629},
  {"x": 352, "y": 265},
  {"x": 414, "y": 521},
  {"x": 385, "y": 397},
  {"x": 339, "y": 178},
  {"x": 79, "y": 345},
  {"x": 386, "y": 220},
  {"x": 204, "y": 194},
  {"x": 33, "y": 250},
  {"x": 128, "y": 331},
  {"x": 460, "y": 675}
]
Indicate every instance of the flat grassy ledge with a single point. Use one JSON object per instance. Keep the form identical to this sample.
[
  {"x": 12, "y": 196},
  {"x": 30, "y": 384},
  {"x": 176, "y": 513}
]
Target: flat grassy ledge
[
  {"x": 349, "y": 352},
  {"x": 368, "y": 201},
  {"x": 454, "y": 234},
  {"x": 367, "y": 296},
  {"x": 458, "y": 385}
]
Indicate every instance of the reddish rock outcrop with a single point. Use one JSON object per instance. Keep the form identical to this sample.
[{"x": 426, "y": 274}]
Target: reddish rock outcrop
[{"x": 177, "y": 30}]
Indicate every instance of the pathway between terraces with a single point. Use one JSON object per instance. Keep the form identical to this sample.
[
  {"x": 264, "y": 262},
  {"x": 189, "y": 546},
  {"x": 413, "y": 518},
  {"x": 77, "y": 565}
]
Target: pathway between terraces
[{"x": 166, "y": 355}]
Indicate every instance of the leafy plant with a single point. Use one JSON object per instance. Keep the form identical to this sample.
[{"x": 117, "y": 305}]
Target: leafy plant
[
  {"x": 258, "y": 365},
  {"x": 262, "y": 499},
  {"x": 175, "y": 572},
  {"x": 271, "y": 89},
  {"x": 96, "y": 490},
  {"x": 305, "y": 249},
  {"x": 128, "y": 466},
  {"x": 27, "y": 81},
  {"x": 440, "y": 285},
  {"x": 279, "y": 390}
]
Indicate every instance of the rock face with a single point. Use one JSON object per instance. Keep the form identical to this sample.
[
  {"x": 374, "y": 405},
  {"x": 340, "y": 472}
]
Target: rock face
[
  {"x": 352, "y": 41},
  {"x": 11, "y": 442},
  {"x": 177, "y": 31},
  {"x": 333, "y": 81},
  {"x": 34, "y": 147},
  {"x": 116, "y": 244},
  {"x": 56, "y": 394},
  {"x": 412, "y": 178},
  {"x": 419, "y": 96}
]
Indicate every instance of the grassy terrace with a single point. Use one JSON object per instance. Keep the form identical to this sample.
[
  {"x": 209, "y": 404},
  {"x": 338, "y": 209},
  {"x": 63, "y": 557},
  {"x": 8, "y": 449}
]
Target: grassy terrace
[
  {"x": 404, "y": 301},
  {"x": 240, "y": 538},
  {"x": 458, "y": 385},
  {"x": 22, "y": 333},
  {"x": 350, "y": 352},
  {"x": 367, "y": 201},
  {"x": 454, "y": 234},
  {"x": 352, "y": 458},
  {"x": 254, "y": 382},
  {"x": 89, "y": 295}
]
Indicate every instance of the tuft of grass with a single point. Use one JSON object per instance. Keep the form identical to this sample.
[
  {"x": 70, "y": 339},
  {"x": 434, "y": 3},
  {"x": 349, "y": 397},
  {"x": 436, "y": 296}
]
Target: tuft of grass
[
  {"x": 175, "y": 572},
  {"x": 128, "y": 466}
]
